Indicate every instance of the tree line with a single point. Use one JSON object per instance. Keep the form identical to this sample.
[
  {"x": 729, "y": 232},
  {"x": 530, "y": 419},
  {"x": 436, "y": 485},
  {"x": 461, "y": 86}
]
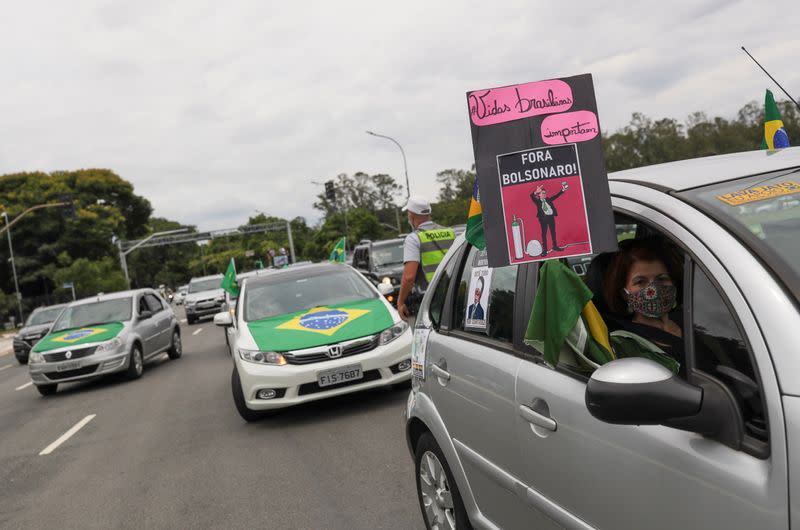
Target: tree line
[{"x": 51, "y": 248}]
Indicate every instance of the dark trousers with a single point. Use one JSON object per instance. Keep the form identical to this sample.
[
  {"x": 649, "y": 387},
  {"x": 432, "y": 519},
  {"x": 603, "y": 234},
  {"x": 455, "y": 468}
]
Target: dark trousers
[{"x": 548, "y": 222}]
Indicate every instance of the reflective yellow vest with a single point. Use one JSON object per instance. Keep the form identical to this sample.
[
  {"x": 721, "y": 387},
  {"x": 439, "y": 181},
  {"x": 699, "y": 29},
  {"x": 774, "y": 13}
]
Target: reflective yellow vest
[{"x": 433, "y": 245}]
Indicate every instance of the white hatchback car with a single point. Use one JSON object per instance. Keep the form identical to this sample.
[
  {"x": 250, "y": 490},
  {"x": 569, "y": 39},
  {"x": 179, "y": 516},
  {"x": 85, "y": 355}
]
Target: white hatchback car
[{"x": 308, "y": 333}]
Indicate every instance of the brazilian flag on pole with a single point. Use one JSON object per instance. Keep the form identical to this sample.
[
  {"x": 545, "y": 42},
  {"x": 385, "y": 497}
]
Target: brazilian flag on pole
[
  {"x": 474, "y": 233},
  {"x": 338, "y": 254},
  {"x": 775, "y": 136},
  {"x": 229, "y": 282}
]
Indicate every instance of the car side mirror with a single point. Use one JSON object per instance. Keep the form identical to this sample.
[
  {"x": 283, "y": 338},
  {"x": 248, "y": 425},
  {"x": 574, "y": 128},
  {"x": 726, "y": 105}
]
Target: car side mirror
[
  {"x": 637, "y": 391},
  {"x": 144, "y": 315},
  {"x": 223, "y": 319},
  {"x": 385, "y": 289}
]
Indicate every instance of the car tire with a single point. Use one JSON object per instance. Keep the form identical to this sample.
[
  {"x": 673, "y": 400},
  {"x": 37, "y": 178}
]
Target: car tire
[
  {"x": 22, "y": 360},
  {"x": 247, "y": 414},
  {"x": 47, "y": 390},
  {"x": 135, "y": 363},
  {"x": 434, "y": 478},
  {"x": 176, "y": 349},
  {"x": 190, "y": 320}
]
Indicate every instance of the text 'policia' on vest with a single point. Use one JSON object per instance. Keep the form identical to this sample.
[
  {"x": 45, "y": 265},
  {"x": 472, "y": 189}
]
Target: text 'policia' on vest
[{"x": 433, "y": 245}]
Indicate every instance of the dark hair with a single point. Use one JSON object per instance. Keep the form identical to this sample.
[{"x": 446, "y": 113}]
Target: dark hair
[
  {"x": 483, "y": 282},
  {"x": 653, "y": 248}
]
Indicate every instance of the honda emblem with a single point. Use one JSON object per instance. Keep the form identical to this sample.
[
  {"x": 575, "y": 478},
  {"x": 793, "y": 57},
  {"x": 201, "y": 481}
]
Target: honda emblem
[{"x": 335, "y": 351}]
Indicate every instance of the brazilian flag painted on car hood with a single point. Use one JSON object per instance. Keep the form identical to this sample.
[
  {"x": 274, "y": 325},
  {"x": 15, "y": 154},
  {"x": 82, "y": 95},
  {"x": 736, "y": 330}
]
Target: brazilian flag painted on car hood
[
  {"x": 78, "y": 336},
  {"x": 320, "y": 325}
]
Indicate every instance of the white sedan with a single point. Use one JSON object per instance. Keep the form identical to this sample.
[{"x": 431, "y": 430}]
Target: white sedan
[{"x": 309, "y": 333}]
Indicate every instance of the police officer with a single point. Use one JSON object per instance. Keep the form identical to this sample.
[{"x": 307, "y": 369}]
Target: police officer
[{"x": 423, "y": 250}]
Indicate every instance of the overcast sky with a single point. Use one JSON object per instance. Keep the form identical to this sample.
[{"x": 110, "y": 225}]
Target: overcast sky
[{"x": 215, "y": 109}]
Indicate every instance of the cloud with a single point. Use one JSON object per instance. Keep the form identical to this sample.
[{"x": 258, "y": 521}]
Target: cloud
[{"x": 215, "y": 113}]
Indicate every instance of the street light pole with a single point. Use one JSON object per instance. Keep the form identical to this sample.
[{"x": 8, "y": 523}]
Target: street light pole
[
  {"x": 124, "y": 253},
  {"x": 14, "y": 268},
  {"x": 402, "y": 152}
]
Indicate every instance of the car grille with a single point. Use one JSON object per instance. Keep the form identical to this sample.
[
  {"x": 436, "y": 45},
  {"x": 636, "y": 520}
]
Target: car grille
[
  {"x": 321, "y": 355},
  {"x": 313, "y": 388},
  {"x": 86, "y": 370},
  {"x": 62, "y": 355}
]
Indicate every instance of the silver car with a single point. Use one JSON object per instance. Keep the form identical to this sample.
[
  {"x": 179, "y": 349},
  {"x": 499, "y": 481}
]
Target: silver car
[
  {"x": 204, "y": 298},
  {"x": 103, "y": 335},
  {"x": 502, "y": 440}
]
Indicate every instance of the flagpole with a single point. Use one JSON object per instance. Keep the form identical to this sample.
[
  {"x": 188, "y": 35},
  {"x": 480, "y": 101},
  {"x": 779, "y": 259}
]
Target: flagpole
[{"x": 770, "y": 76}]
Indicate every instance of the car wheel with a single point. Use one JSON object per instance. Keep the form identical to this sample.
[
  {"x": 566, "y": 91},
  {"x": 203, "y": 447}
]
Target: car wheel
[
  {"x": 190, "y": 320},
  {"x": 47, "y": 390},
  {"x": 439, "y": 499},
  {"x": 22, "y": 360},
  {"x": 135, "y": 364},
  {"x": 176, "y": 350},
  {"x": 238, "y": 399}
]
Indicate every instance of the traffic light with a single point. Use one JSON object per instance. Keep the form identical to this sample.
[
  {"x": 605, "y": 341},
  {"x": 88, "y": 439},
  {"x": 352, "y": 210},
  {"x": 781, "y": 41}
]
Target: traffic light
[{"x": 330, "y": 191}]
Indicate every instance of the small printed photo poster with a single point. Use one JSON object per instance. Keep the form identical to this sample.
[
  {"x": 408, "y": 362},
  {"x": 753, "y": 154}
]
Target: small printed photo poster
[
  {"x": 418, "y": 347},
  {"x": 477, "y": 312}
]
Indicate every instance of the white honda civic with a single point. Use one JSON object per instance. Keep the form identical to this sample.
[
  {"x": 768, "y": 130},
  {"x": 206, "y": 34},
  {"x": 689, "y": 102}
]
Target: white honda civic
[{"x": 309, "y": 333}]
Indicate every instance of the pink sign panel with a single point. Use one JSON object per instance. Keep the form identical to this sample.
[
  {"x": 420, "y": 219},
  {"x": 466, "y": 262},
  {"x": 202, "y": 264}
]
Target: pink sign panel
[
  {"x": 499, "y": 105},
  {"x": 570, "y": 127}
]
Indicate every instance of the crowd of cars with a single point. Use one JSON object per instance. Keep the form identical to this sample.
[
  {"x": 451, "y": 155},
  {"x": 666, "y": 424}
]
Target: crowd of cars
[{"x": 499, "y": 438}]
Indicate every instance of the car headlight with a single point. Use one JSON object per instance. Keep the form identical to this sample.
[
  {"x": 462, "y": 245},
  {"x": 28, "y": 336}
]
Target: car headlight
[
  {"x": 386, "y": 280},
  {"x": 220, "y": 298},
  {"x": 262, "y": 357},
  {"x": 190, "y": 303},
  {"x": 389, "y": 334},
  {"x": 35, "y": 357},
  {"x": 111, "y": 345}
]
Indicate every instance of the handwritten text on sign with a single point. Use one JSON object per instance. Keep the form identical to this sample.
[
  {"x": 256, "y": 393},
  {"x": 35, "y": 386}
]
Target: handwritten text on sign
[
  {"x": 499, "y": 105},
  {"x": 568, "y": 127}
]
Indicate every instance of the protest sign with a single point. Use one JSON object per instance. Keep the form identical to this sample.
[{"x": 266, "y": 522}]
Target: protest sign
[{"x": 541, "y": 174}]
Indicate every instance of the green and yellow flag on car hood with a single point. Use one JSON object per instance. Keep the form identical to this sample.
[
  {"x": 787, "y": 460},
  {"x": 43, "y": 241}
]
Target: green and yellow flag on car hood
[
  {"x": 79, "y": 336},
  {"x": 320, "y": 325}
]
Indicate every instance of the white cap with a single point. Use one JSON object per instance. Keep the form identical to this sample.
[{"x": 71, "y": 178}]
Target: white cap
[{"x": 418, "y": 206}]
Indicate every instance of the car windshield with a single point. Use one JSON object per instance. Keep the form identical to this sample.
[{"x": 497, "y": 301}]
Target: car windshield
[
  {"x": 388, "y": 255},
  {"x": 264, "y": 300},
  {"x": 764, "y": 211},
  {"x": 205, "y": 285},
  {"x": 116, "y": 310},
  {"x": 45, "y": 316}
]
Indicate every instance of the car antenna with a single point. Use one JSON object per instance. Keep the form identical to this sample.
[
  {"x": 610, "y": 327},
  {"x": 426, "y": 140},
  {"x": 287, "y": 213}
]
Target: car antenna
[{"x": 770, "y": 76}]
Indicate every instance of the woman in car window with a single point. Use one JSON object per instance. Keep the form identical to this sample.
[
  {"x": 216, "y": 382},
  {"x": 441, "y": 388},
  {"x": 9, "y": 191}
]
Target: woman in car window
[{"x": 641, "y": 290}]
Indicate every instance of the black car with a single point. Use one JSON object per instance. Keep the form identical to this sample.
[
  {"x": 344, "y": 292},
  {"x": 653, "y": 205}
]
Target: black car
[
  {"x": 36, "y": 327},
  {"x": 381, "y": 262}
]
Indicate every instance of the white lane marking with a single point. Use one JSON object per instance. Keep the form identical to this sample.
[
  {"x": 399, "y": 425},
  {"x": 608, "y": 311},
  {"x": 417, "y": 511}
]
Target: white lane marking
[
  {"x": 67, "y": 435},
  {"x": 183, "y": 321},
  {"x": 26, "y": 385},
  {"x": 6, "y": 367},
  {"x": 198, "y": 330}
]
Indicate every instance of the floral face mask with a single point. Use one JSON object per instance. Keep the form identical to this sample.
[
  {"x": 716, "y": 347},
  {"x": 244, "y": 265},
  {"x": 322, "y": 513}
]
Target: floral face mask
[{"x": 653, "y": 301}]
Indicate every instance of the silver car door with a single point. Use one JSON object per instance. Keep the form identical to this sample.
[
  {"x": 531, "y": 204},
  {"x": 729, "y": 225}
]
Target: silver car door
[
  {"x": 146, "y": 328},
  {"x": 162, "y": 320},
  {"x": 471, "y": 380},
  {"x": 582, "y": 471}
]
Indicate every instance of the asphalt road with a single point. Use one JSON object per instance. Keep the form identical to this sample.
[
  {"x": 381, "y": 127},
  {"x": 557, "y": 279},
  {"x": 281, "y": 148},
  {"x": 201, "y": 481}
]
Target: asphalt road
[{"x": 170, "y": 451}]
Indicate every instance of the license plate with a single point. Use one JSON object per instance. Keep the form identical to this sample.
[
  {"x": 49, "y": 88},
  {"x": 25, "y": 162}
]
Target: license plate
[
  {"x": 340, "y": 375},
  {"x": 71, "y": 365}
]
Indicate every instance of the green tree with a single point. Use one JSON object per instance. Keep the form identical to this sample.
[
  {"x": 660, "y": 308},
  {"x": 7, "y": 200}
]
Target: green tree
[{"x": 92, "y": 277}]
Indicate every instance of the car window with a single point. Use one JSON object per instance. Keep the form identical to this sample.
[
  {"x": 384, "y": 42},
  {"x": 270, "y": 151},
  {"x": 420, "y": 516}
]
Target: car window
[
  {"x": 440, "y": 294},
  {"x": 722, "y": 351},
  {"x": 153, "y": 303},
  {"x": 484, "y": 302},
  {"x": 143, "y": 305}
]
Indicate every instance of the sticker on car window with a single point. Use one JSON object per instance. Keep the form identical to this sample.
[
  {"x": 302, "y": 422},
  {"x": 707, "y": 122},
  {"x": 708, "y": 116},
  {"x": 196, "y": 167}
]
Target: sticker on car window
[
  {"x": 418, "y": 348},
  {"x": 760, "y": 193},
  {"x": 477, "y": 311}
]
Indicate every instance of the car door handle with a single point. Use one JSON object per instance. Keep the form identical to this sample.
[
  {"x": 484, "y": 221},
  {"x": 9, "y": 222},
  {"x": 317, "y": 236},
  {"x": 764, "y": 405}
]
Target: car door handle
[
  {"x": 540, "y": 420},
  {"x": 440, "y": 372}
]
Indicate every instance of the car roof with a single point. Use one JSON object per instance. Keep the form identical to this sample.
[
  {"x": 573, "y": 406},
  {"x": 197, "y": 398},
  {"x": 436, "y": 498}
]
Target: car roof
[
  {"x": 209, "y": 277},
  {"x": 698, "y": 172},
  {"x": 299, "y": 272},
  {"x": 388, "y": 242},
  {"x": 110, "y": 296}
]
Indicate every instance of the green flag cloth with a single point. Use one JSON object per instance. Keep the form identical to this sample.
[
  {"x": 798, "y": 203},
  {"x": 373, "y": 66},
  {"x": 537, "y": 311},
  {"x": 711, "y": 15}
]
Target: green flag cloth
[
  {"x": 338, "y": 253},
  {"x": 474, "y": 233},
  {"x": 563, "y": 314},
  {"x": 321, "y": 325},
  {"x": 78, "y": 336},
  {"x": 229, "y": 282},
  {"x": 775, "y": 136}
]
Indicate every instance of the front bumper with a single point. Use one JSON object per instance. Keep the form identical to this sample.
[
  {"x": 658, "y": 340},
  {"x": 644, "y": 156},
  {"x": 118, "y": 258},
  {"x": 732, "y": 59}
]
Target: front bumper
[
  {"x": 89, "y": 367},
  {"x": 204, "y": 311},
  {"x": 298, "y": 383}
]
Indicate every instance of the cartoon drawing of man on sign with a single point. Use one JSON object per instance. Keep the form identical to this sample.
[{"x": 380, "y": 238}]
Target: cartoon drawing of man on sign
[{"x": 546, "y": 213}]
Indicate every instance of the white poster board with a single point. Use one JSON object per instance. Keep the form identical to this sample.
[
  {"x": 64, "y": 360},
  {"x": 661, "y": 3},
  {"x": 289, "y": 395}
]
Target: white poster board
[
  {"x": 477, "y": 310},
  {"x": 418, "y": 348}
]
